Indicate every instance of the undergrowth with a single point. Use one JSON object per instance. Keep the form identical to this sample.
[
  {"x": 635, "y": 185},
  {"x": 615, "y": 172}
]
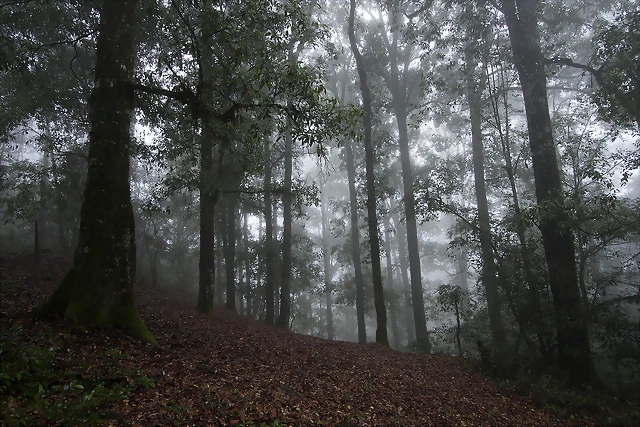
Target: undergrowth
[
  {"x": 41, "y": 384},
  {"x": 555, "y": 395}
]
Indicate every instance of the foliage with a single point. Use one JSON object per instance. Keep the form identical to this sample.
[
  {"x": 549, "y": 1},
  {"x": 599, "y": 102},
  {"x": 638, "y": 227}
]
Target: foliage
[
  {"x": 41, "y": 381},
  {"x": 617, "y": 51}
]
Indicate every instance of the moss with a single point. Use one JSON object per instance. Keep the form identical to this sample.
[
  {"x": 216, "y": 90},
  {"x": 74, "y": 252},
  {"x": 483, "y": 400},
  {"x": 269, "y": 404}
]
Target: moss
[
  {"x": 94, "y": 296},
  {"x": 129, "y": 319}
]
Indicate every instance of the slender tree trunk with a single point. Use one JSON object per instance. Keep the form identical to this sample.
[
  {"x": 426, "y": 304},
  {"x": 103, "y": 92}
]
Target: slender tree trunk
[
  {"x": 248, "y": 291},
  {"x": 458, "y": 326},
  {"x": 392, "y": 307},
  {"x": 285, "y": 277},
  {"x": 397, "y": 87},
  {"x": 277, "y": 264},
  {"x": 326, "y": 256},
  {"x": 404, "y": 266},
  {"x": 268, "y": 220},
  {"x": 574, "y": 352},
  {"x": 378, "y": 291},
  {"x": 489, "y": 270},
  {"x": 355, "y": 243},
  {"x": 36, "y": 238},
  {"x": 355, "y": 228},
  {"x": 98, "y": 289},
  {"x": 229, "y": 244}
]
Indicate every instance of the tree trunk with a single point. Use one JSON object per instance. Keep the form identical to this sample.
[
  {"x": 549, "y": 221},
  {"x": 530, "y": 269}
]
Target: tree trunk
[
  {"x": 268, "y": 220},
  {"x": 399, "y": 96},
  {"x": 355, "y": 228},
  {"x": 229, "y": 245},
  {"x": 489, "y": 270},
  {"x": 248, "y": 292},
  {"x": 378, "y": 291},
  {"x": 218, "y": 257},
  {"x": 277, "y": 265},
  {"x": 36, "y": 238},
  {"x": 392, "y": 309},
  {"x": 285, "y": 272},
  {"x": 207, "y": 186},
  {"x": 574, "y": 352},
  {"x": 355, "y": 243},
  {"x": 404, "y": 266},
  {"x": 326, "y": 256},
  {"x": 98, "y": 289}
]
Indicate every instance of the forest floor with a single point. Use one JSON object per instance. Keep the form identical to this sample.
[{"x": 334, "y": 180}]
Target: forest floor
[{"x": 222, "y": 370}]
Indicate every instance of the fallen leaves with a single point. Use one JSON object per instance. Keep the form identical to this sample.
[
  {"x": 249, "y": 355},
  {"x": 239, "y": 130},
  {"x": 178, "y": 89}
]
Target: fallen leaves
[{"x": 223, "y": 369}]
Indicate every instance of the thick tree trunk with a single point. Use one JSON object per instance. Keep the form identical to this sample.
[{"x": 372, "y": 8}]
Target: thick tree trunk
[
  {"x": 326, "y": 257},
  {"x": 574, "y": 352},
  {"x": 285, "y": 272},
  {"x": 489, "y": 270},
  {"x": 98, "y": 289},
  {"x": 207, "y": 186},
  {"x": 268, "y": 219},
  {"x": 378, "y": 291}
]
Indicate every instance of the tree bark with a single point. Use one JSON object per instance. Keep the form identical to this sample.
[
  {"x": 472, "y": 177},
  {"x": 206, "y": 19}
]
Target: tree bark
[
  {"x": 392, "y": 309},
  {"x": 268, "y": 219},
  {"x": 355, "y": 243},
  {"x": 229, "y": 244},
  {"x": 355, "y": 228},
  {"x": 398, "y": 90},
  {"x": 378, "y": 291},
  {"x": 285, "y": 272},
  {"x": 248, "y": 292},
  {"x": 404, "y": 266},
  {"x": 574, "y": 352},
  {"x": 489, "y": 270},
  {"x": 326, "y": 257},
  {"x": 98, "y": 289}
]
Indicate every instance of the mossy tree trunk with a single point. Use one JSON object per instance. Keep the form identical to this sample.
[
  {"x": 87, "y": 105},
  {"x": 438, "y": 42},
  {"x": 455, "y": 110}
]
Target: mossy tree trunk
[{"x": 98, "y": 289}]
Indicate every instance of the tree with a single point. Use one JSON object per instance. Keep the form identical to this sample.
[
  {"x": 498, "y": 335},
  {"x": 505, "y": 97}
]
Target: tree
[
  {"x": 285, "y": 282},
  {"x": 574, "y": 352},
  {"x": 378, "y": 291},
  {"x": 98, "y": 289},
  {"x": 353, "y": 215},
  {"x": 489, "y": 271},
  {"x": 326, "y": 258},
  {"x": 269, "y": 249},
  {"x": 400, "y": 92}
]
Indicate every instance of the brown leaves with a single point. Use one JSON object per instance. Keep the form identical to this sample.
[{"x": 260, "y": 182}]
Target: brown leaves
[{"x": 225, "y": 369}]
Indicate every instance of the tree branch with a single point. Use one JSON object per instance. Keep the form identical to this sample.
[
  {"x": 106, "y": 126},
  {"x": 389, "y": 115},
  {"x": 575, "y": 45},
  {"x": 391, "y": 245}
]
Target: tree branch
[{"x": 596, "y": 73}]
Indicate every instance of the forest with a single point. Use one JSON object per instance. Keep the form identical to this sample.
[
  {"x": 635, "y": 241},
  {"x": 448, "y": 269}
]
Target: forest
[{"x": 319, "y": 212}]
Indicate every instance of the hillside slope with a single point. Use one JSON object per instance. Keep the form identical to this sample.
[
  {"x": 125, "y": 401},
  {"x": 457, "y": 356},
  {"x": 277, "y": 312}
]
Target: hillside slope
[{"x": 226, "y": 370}]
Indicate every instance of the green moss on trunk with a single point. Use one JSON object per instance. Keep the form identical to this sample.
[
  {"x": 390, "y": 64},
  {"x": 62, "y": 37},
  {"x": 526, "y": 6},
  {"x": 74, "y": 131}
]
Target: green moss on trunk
[{"x": 98, "y": 289}]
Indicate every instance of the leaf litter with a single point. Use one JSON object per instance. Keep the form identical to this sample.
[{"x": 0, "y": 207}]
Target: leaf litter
[{"x": 225, "y": 369}]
